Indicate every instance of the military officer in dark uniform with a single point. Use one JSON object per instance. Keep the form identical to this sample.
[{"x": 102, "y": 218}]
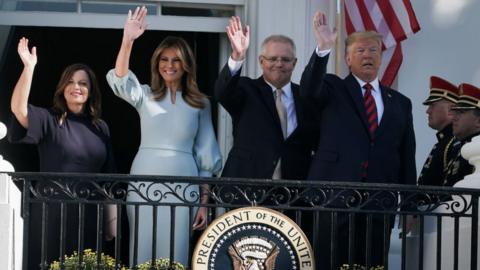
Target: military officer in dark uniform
[
  {"x": 443, "y": 95},
  {"x": 466, "y": 125}
]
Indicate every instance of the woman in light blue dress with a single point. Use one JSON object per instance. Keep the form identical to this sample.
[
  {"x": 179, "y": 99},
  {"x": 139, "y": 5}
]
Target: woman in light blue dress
[{"x": 177, "y": 138}]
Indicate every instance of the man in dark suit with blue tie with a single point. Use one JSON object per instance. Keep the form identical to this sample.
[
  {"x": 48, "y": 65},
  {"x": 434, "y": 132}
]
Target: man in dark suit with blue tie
[
  {"x": 271, "y": 127},
  {"x": 366, "y": 136}
]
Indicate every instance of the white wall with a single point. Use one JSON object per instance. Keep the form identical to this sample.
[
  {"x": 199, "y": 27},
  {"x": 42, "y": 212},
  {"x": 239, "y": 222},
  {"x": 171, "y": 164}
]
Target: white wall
[{"x": 446, "y": 46}]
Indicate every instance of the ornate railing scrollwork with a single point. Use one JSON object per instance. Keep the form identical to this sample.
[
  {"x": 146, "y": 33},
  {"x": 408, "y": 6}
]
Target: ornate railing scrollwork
[{"x": 237, "y": 192}]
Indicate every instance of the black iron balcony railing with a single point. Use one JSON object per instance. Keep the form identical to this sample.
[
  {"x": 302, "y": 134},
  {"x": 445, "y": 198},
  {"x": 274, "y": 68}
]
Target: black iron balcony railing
[{"x": 50, "y": 200}]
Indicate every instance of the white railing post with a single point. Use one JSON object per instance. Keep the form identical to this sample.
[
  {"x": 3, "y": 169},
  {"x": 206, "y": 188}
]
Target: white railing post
[
  {"x": 11, "y": 223},
  {"x": 5, "y": 166},
  {"x": 471, "y": 152}
]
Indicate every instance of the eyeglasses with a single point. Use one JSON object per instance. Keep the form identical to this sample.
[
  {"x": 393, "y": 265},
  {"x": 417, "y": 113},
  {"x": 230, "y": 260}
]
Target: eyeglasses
[{"x": 283, "y": 60}]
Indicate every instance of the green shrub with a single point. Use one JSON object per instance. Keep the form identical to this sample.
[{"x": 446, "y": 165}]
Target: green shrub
[
  {"x": 108, "y": 263},
  {"x": 89, "y": 262},
  {"x": 161, "y": 264}
]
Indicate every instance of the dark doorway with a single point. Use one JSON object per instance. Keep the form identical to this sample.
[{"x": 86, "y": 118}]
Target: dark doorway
[{"x": 60, "y": 47}]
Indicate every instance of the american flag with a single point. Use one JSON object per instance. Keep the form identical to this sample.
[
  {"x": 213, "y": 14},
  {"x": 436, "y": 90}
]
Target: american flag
[{"x": 394, "y": 19}]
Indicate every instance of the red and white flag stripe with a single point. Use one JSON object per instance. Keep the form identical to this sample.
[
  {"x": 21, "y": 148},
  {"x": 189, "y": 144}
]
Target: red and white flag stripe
[{"x": 394, "y": 19}]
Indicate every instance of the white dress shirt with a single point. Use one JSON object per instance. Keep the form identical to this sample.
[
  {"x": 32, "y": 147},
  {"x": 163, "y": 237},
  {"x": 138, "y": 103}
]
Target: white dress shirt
[
  {"x": 376, "y": 93},
  {"x": 289, "y": 103},
  {"x": 287, "y": 97}
]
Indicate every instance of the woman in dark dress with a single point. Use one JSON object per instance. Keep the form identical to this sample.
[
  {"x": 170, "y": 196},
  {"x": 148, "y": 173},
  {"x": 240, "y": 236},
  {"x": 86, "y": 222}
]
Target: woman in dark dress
[{"x": 70, "y": 137}]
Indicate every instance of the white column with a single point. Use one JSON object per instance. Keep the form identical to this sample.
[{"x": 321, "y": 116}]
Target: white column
[{"x": 11, "y": 223}]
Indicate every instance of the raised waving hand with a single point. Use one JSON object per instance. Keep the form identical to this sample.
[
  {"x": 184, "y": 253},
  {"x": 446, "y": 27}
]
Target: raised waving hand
[
  {"x": 325, "y": 37},
  {"x": 19, "y": 102},
  {"x": 135, "y": 24},
  {"x": 134, "y": 27},
  {"x": 28, "y": 58},
  {"x": 239, "y": 38}
]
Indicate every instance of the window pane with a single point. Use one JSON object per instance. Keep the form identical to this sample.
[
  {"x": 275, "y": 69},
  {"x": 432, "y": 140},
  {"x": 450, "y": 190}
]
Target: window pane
[
  {"x": 196, "y": 12},
  {"x": 61, "y": 6},
  {"x": 115, "y": 8}
]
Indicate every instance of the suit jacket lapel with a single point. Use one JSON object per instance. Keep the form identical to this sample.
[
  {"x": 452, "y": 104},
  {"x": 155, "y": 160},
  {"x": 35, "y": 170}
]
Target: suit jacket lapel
[
  {"x": 387, "y": 109},
  {"x": 266, "y": 94},
  {"x": 357, "y": 98}
]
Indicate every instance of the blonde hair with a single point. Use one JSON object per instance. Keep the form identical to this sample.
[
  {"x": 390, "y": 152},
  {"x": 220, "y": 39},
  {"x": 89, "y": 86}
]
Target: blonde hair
[
  {"x": 190, "y": 92},
  {"x": 362, "y": 35}
]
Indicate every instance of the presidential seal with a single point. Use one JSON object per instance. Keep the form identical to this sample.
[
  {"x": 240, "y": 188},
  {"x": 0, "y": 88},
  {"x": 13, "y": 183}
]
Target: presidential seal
[{"x": 253, "y": 238}]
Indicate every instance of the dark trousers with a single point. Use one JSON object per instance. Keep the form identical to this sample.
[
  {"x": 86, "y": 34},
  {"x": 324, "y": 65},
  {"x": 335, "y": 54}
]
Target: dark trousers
[{"x": 353, "y": 239}]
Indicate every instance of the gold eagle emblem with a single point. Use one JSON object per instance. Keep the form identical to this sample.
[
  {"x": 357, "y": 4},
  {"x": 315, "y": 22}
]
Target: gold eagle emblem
[{"x": 253, "y": 253}]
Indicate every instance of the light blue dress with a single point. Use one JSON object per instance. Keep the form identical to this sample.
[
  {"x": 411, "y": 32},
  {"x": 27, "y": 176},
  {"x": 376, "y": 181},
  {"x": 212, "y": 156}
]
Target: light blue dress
[{"x": 176, "y": 139}]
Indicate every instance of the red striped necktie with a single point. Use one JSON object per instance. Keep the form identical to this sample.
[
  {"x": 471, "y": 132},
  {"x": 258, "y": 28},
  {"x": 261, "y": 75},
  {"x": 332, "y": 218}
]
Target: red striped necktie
[{"x": 371, "y": 109}]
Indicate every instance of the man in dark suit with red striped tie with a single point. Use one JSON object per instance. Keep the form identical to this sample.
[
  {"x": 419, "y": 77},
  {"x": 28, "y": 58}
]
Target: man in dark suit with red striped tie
[{"x": 366, "y": 136}]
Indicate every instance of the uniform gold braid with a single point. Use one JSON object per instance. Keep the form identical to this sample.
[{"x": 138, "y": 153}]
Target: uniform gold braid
[{"x": 445, "y": 153}]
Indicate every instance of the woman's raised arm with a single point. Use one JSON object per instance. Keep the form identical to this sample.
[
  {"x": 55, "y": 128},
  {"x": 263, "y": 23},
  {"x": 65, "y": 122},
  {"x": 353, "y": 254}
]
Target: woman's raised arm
[
  {"x": 19, "y": 102},
  {"x": 134, "y": 27}
]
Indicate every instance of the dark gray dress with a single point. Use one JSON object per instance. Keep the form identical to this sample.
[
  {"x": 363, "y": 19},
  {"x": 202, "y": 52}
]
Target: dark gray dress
[{"x": 77, "y": 146}]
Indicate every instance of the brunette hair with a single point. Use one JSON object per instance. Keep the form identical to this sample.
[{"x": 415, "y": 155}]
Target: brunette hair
[
  {"x": 93, "y": 105},
  {"x": 190, "y": 92}
]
